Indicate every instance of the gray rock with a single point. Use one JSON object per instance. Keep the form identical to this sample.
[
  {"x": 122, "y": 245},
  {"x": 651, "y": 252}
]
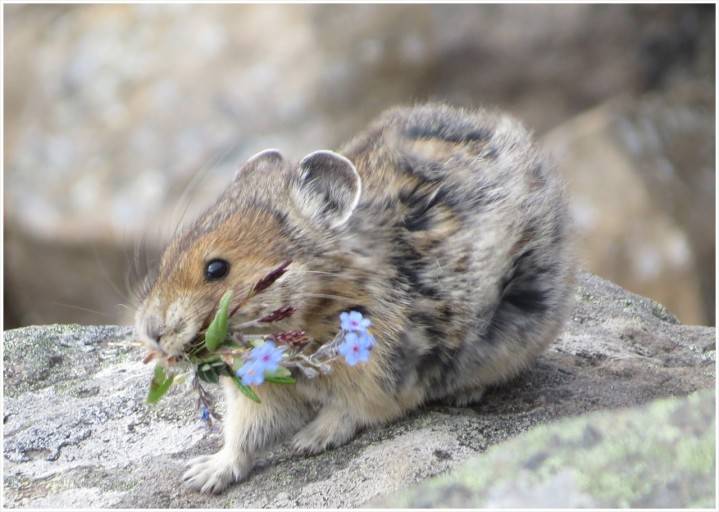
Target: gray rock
[
  {"x": 658, "y": 456},
  {"x": 78, "y": 433}
]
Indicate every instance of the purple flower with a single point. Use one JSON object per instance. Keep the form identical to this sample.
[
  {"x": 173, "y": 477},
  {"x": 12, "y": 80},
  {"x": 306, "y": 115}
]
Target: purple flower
[
  {"x": 356, "y": 347},
  {"x": 265, "y": 358},
  {"x": 354, "y": 321}
]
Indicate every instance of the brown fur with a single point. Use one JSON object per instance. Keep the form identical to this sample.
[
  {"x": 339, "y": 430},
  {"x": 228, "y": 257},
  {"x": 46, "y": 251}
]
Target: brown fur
[{"x": 449, "y": 231}]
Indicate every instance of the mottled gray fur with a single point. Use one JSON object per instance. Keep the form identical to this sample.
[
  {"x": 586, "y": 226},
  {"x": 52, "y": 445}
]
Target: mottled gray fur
[{"x": 447, "y": 228}]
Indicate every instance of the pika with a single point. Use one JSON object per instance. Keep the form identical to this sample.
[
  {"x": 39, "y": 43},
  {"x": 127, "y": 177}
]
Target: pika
[{"x": 445, "y": 227}]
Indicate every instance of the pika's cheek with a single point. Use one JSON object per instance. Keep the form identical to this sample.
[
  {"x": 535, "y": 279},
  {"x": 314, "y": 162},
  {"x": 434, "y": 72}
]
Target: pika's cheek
[
  {"x": 174, "y": 341},
  {"x": 181, "y": 317},
  {"x": 172, "y": 345},
  {"x": 176, "y": 314},
  {"x": 181, "y": 327}
]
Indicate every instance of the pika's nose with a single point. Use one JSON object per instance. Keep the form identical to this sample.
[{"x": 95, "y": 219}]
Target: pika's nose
[{"x": 154, "y": 328}]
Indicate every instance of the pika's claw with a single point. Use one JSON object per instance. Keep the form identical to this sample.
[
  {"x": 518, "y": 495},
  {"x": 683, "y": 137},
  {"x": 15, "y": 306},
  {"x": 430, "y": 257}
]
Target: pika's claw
[
  {"x": 211, "y": 474},
  {"x": 197, "y": 460}
]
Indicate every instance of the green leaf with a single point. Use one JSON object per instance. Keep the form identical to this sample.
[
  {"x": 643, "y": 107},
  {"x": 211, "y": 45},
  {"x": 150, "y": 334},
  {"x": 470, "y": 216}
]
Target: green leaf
[
  {"x": 217, "y": 331},
  {"x": 279, "y": 372},
  {"x": 279, "y": 380},
  {"x": 246, "y": 390},
  {"x": 211, "y": 371},
  {"x": 208, "y": 373},
  {"x": 212, "y": 360},
  {"x": 280, "y": 376},
  {"x": 159, "y": 385}
]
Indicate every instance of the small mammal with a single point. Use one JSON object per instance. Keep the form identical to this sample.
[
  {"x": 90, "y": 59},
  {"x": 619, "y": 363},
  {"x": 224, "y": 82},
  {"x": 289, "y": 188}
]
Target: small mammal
[{"x": 445, "y": 227}]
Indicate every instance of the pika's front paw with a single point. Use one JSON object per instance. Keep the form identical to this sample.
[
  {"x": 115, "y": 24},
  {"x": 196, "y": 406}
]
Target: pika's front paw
[{"x": 213, "y": 473}]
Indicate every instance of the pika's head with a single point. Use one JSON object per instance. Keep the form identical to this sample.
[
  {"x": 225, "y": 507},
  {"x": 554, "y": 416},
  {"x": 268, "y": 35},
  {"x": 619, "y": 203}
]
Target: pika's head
[{"x": 272, "y": 211}]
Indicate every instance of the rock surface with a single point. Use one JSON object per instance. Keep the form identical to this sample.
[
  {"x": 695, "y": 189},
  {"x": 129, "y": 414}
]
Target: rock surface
[
  {"x": 78, "y": 433},
  {"x": 120, "y": 116},
  {"x": 659, "y": 456}
]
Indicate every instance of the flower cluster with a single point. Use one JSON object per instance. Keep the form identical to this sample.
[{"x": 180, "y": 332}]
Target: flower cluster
[
  {"x": 356, "y": 345},
  {"x": 249, "y": 359},
  {"x": 358, "y": 342}
]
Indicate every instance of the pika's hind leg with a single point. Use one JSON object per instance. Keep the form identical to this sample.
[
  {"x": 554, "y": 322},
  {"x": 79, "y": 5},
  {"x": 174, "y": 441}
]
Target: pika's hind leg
[
  {"x": 338, "y": 421},
  {"x": 332, "y": 427},
  {"x": 465, "y": 397},
  {"x": 248, "y": 428}
]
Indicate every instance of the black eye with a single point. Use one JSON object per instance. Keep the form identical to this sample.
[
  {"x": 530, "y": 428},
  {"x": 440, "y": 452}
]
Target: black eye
[{"x": 216, "y": 269}]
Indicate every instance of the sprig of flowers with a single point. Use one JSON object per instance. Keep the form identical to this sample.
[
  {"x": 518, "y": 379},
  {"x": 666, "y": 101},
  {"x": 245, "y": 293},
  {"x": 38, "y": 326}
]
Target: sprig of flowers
[{"x": 254, "y": 359}]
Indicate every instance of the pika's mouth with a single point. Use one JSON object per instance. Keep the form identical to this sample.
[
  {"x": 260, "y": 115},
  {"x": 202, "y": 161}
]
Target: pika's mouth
[
  {"x": 161, "y": 355},
  {"x": 188, "y": 339}
]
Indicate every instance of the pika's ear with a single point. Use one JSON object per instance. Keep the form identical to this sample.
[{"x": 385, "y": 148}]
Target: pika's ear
[
  {"x": 262, "y": 161},
  {"x": 327, "y": 189}
]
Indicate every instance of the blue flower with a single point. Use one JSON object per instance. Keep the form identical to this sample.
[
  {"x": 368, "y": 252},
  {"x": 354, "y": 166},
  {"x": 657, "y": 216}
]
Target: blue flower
[
  {"x": 205, "y": 414},
  {"x": 251, "y": 374},
  {"x": 356, "y": 347},
  {"x": 354, "y": 321},
  {"x": 267, "y": 355},
  {"x": 265, "y": 358}
]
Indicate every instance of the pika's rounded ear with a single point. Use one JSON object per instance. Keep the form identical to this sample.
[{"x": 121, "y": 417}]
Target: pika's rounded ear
[
  {"x": 327, "y": 189},
  {"x": 264, "y": 160}
]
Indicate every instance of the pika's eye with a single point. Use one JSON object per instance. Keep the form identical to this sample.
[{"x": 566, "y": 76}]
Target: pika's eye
[{"x": 216, "y": 269}]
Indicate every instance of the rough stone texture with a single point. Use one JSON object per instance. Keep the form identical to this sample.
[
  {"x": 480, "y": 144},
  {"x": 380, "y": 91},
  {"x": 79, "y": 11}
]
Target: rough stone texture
[
  {"x": 77, "y": 432},
  {"x": 114, "y": 111},
  {"x": 659, "y": 456},
  {"x": 641, "y": 175}
]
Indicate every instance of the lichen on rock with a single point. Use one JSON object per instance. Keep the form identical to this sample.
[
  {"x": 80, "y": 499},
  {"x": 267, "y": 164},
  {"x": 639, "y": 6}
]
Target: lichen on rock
[{"x": 661, "y": 455}]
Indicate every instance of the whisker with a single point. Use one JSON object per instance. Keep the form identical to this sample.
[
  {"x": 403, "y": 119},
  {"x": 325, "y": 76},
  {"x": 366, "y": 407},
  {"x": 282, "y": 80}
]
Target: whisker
[
  {"x": 80, "y": 308},
  {"x": 318, "y": 272},
  {"x": 105, "y": 274},
  {"x": 130, "y": 275},
  {"x": 328, "y": 296},
  {"x": 136, "y": 276},
  {"x": 148, "y": 265},
  {"x": 142, "y": 272},
  {"x": 125, "y": 344},
  {"x": 197, "y": 178}
]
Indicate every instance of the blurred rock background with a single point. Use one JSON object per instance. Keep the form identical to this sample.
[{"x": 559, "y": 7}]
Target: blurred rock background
[{"x": 119, "y": 118}]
